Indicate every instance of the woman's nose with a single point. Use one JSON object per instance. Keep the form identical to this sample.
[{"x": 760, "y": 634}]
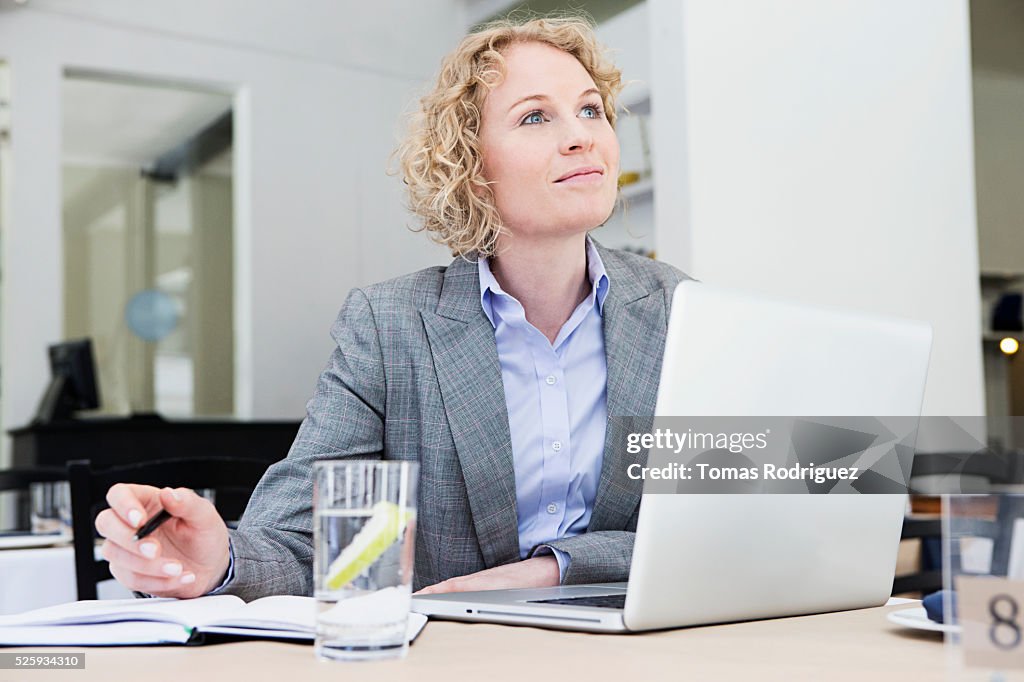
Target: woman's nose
[{"x": 576, "y": 137}]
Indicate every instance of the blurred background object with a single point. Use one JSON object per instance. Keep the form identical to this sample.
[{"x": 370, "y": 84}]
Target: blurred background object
[{"x": 148, "y": 239}]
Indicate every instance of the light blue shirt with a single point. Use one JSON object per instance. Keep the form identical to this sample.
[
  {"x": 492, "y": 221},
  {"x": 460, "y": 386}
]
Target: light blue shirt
[{"x": 557, "y": 413}]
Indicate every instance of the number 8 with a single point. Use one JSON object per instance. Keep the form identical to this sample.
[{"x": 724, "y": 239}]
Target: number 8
[{"x": 999, "y": 621}]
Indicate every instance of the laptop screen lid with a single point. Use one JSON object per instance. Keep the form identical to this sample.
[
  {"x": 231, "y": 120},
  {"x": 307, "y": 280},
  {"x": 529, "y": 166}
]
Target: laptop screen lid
[{"x": 704, "y": 558}]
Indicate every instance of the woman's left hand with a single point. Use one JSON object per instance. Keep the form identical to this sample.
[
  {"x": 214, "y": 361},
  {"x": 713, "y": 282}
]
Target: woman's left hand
[{"x": 540, "y": 571}]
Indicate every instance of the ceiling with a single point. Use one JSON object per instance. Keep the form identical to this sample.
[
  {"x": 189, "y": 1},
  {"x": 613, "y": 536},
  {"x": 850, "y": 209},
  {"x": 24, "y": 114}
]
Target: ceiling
[{"x": 130, "y": 123}]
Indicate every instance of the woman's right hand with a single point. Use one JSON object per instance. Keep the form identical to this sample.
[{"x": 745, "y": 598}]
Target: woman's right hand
[{"x": 185, "y": 557}]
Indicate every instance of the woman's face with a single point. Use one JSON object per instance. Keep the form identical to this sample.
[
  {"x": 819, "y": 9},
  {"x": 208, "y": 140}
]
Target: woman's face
[{"x": 548, "y": 150}]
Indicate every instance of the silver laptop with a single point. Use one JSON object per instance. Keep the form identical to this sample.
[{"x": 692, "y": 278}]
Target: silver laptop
[{"x": 705, "y": 558}]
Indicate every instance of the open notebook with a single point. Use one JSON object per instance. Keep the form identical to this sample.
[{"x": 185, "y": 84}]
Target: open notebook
[{"x": 125, "y": 622}]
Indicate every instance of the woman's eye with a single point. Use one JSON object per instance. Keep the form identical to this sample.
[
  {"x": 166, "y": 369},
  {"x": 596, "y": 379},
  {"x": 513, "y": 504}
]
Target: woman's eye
[
  {"x": 593, "y": 109},
  {"x": 534, "y": 117}
]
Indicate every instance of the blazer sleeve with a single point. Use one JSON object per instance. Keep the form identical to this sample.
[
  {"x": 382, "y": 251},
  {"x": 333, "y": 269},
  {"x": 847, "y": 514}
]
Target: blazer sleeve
[
  {"x": 598, "y": 556},
  {"x": 272, "y": 549}
]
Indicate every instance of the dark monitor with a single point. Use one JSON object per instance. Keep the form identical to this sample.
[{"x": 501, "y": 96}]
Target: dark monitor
[{"x": 73, "y": 386}]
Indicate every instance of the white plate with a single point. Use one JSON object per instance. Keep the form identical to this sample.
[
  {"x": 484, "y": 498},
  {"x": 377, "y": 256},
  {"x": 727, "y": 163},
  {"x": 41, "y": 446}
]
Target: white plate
[
  {"x": 917, "y": 619},
  {"x": 30, "y": 541}
]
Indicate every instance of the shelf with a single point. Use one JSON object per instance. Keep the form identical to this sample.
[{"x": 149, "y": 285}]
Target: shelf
[
  {"x": 639, "y": 190},
  {"x": 989, "y": 335},
  {"x": 1001, "y": 276}
]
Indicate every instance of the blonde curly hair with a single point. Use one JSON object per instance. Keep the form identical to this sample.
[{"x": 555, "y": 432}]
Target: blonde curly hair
[{"x": 440, "y": 158}]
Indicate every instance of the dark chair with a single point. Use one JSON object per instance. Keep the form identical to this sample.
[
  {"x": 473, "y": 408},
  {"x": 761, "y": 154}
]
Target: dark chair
[
  {"x": 929, "y": 578},
  {"x": 232, "y": 478},
  {"x": 983, "y": 468},
  {"x": 19, "y": 480}
]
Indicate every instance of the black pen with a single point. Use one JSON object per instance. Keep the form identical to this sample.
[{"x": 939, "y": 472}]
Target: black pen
[{"x": 152, "y": 524}]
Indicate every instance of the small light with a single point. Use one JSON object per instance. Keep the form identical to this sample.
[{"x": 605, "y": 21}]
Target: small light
[{"x": 1009, "y": 345}]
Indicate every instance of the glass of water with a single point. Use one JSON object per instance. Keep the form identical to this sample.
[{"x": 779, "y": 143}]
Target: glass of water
[{"x": 364, "y": 535}]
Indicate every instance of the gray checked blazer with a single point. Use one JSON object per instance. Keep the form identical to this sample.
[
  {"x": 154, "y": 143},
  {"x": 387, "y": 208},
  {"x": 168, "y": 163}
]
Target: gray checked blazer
[{"x": 415, "y": 376}]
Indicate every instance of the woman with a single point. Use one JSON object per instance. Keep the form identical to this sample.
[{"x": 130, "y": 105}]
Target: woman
[{"x": 497, "y": 373}]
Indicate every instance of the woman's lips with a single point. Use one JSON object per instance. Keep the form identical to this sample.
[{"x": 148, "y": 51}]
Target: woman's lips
[{"x": 593, "y": 177}]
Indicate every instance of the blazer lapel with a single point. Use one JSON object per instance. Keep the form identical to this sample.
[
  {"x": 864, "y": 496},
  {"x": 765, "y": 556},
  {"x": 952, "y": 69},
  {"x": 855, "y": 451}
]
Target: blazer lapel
[
  {"x": 466, "y": 364},
  {"x": 634, "y": 338}
]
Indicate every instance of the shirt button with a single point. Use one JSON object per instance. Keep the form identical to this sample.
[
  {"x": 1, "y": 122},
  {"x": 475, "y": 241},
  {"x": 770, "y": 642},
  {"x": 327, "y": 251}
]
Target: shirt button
[
  {"x": 551, "y": 380},
  {"x": 556, "y": 446},
  {"x": 552, "y": 508}
]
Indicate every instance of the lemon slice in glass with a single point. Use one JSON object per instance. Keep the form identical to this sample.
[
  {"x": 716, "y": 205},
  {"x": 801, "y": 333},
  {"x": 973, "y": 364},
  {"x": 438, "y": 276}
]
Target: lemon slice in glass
[{"x": 380, "y": 532}]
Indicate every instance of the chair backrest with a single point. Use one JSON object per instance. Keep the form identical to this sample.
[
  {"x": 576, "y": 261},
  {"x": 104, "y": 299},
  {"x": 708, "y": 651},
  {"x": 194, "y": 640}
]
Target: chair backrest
[
  {"x": 21, "y": 479},
  {"x": 928, "y": 577},
  {"x": 931, "y": 575},
  {"x": 232, "y": 478}
]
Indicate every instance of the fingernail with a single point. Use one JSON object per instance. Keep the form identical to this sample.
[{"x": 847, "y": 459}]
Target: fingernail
[
  {"x": 177, "y": 498},
  {"x": 134, "y": 516},
  {"x": 188, "y": 578},
  {"x": 172, "y": 569},
  {"x": 148, "y": 549}
]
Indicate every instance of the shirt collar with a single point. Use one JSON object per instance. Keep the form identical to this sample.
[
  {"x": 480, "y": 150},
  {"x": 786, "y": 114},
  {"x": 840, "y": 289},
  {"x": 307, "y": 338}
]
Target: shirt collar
[{"x": 489, "y": 286}]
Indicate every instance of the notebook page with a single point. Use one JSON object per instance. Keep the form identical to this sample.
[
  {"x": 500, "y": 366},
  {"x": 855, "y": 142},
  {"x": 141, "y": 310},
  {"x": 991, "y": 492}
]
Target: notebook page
[
  {"x": 182, "y": 611},
  {"x": 104, "y": 634},
  {"x": 416, "y": 623},
  {"x": 283, "y": 612}
]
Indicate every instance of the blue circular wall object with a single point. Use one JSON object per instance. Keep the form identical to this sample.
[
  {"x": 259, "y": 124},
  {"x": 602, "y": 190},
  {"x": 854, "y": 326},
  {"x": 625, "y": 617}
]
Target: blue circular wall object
[{"x": 151, "y": 314}]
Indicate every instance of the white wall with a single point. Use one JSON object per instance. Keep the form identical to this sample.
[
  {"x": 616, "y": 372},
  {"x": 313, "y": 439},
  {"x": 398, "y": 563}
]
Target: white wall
[
  {"x": 823, "y": 151},
  {"x": 317, "y": 90}
]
